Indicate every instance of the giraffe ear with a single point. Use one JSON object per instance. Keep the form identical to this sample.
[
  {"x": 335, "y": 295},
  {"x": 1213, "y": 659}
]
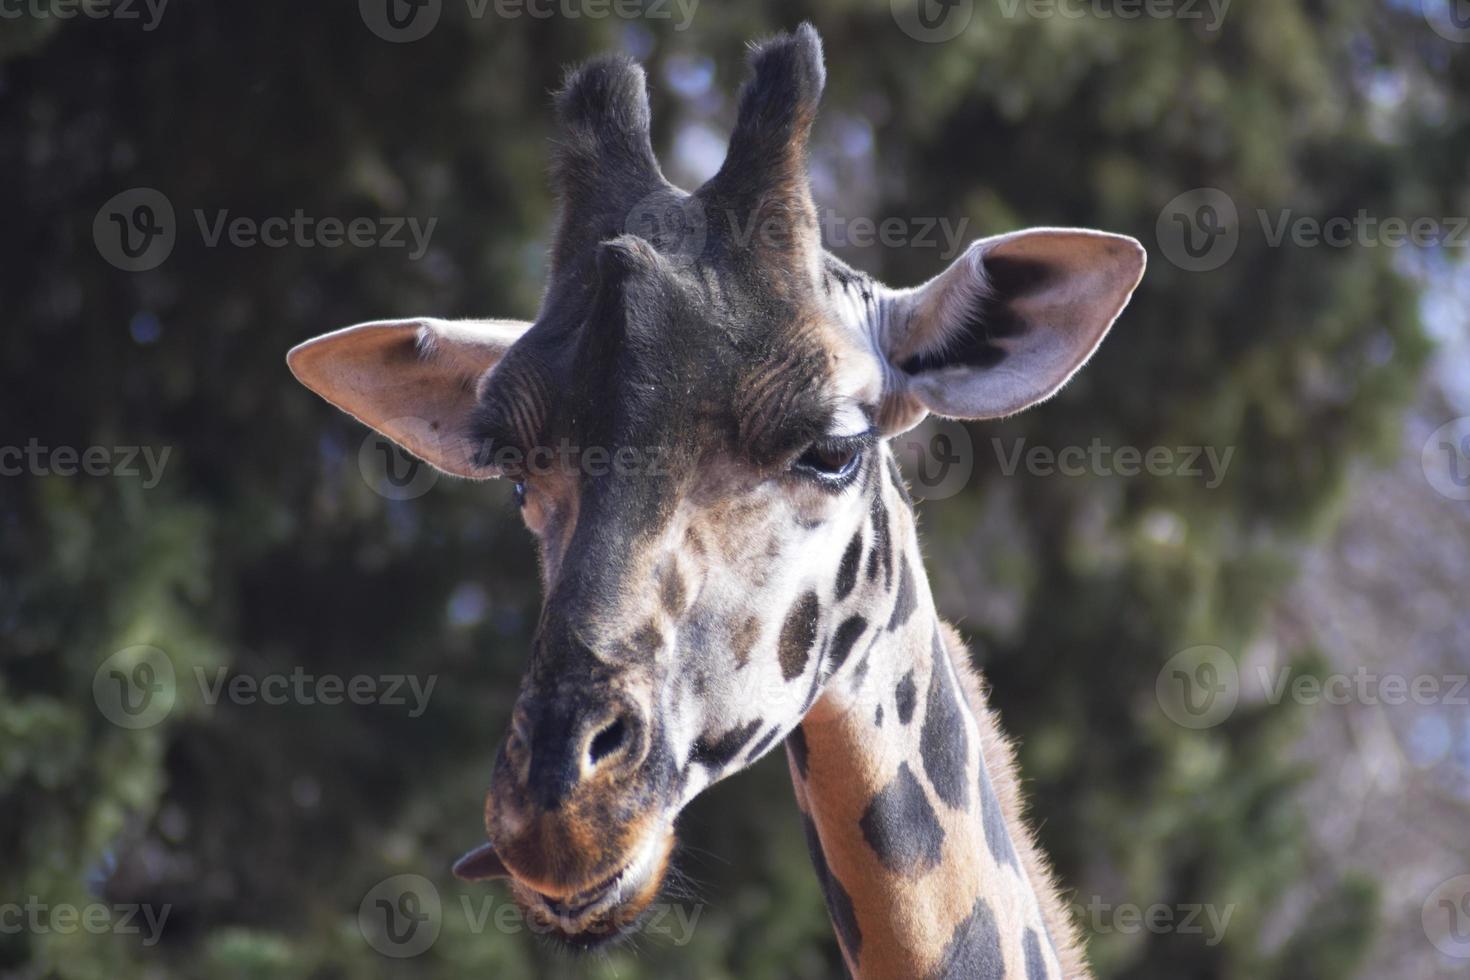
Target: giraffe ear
[
  {"x": 1007, "y": 324},
  {"x": 415, "y": 381}
]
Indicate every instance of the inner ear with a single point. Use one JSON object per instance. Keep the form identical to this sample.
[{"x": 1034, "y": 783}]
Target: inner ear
[
  {"x": 990, "y": 318},
  {"x": 415, "y": 381},
  {"x": 1007, "y": 324}
]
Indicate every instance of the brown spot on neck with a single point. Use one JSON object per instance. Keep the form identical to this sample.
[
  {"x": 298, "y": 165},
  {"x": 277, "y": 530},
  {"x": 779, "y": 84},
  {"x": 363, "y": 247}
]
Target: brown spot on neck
[{"x": 798, "y": 634}]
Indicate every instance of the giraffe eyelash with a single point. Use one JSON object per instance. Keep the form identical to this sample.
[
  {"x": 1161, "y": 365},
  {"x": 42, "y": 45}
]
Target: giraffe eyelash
[{"x": 833, "y": 461}]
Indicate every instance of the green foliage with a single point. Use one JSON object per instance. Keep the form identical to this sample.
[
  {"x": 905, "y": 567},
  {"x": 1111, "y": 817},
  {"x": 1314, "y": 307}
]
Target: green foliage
[{"x": 264, "y": 550}]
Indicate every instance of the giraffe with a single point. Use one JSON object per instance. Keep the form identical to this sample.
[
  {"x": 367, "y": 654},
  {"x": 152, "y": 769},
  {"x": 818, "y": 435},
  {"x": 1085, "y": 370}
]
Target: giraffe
[{"x": 696, "y": 428}]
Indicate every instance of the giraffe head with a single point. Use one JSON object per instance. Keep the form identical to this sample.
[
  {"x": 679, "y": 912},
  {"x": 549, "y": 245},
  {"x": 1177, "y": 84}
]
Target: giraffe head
[{"x": 695, "y": 425}]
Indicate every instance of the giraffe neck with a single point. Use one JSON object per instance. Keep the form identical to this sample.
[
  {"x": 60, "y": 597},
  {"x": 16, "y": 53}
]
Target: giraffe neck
[{"x": 911, "y": 808}]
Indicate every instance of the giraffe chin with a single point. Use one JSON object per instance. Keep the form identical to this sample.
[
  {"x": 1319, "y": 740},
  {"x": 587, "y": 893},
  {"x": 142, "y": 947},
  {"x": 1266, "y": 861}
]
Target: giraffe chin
[{"x": 605, "y": 911}]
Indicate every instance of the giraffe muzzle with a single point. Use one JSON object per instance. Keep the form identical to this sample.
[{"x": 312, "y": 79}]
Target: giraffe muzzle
[{"x": 593, "y": 916}]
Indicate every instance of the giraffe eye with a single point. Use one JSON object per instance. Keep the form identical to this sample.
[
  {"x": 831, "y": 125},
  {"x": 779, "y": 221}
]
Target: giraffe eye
[
  {"x": 520, "y": 493},
  {"x": 832, "y": 460}
]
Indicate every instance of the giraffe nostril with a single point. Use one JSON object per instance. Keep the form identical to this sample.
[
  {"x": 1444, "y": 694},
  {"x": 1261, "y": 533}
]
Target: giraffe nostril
[{"x": 607, "y": 742}]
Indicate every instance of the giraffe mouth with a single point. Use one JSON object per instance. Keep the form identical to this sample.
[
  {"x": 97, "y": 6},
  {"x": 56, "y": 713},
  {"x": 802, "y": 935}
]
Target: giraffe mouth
[
  {"x": 593, "y": 916},
  {"x": 602, "y": 896},
  {"x": 608, "y": 910}
]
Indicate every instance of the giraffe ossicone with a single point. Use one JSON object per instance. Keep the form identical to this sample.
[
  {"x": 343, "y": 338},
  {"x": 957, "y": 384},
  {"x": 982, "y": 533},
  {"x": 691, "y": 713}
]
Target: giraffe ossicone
[{"x": 697, "y": 429}]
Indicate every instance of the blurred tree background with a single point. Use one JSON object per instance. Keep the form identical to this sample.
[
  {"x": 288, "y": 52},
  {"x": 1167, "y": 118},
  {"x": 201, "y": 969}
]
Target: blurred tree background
[{"x": 266, "y": 546}]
